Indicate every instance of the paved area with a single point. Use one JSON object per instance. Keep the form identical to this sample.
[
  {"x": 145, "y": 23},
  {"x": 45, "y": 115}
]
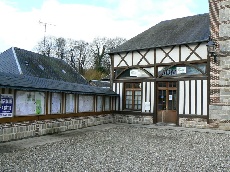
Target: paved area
[
  {"x": 41, "y": 140},
  {"x": 120, "y": 147},
  {"x": 11, "y": 146}
]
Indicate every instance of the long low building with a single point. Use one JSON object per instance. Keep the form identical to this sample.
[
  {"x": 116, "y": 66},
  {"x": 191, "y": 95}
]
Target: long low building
[{"x": 36, "y": 87}]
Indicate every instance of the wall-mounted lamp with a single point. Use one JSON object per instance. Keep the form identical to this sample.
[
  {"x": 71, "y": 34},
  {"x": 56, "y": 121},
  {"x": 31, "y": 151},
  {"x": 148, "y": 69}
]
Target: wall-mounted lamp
[{"x": 212, "y": 49}]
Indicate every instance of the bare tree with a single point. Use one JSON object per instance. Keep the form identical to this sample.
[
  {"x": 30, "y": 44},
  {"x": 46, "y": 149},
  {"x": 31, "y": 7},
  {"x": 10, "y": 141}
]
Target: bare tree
[
  {"x": 46, "y": 46},
  {"x": 100, "y": 48},
  {"x": 80, "y": 54},
  {"x": 77, "y": 54},
  {"x": 60, "y": 47}
]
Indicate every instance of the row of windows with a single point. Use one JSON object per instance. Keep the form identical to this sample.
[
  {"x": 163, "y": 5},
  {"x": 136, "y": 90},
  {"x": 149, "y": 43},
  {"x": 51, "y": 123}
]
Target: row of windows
[
  {"x": 166, "y": 96},
  {"x": 34, "y": 103},
  {"x": 179, "y": 70}
]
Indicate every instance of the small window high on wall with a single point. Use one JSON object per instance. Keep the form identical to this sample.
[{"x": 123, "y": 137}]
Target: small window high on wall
[
  {"x": 192, "y": 69},
  {"x": 132, "y": 96}
]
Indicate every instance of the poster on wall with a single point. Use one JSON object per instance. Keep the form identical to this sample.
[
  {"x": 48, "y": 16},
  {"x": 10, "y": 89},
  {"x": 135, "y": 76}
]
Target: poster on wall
[
  {"x": 30, "y": 103},
  {"x": 69, "y": 103},
  {"x": 86, "y": 103},
  {"x": 6, "y": 105},
  {"x": 56, "y": 103},
  {"x": 147, "y": 105}
]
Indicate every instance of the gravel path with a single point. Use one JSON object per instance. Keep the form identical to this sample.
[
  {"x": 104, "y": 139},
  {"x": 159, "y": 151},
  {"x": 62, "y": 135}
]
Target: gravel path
[{"x": 126, "y": 148}]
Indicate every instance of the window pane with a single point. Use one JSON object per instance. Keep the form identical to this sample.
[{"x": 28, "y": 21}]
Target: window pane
[
  {"x": 137, "y": 85},
  {"x": 128, "y": 92},
  {"x": 161, "y": 84},
  {"x": 133, "y": 96},
  {"x": 162, "y": 100},
  {"x": 170, "y": 102},
  {"x": 128, "y": 85},
  {"x": 172, "y": 84},
  {"x": 137, "y": 93}
]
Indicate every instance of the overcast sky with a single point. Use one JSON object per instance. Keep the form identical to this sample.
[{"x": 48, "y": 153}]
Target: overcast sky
[{"x": 86, "y": 19}]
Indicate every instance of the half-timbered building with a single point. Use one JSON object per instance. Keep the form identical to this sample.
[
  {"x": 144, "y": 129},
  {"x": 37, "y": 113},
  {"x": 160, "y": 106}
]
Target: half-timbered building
[{"x": 164, "y": 71}]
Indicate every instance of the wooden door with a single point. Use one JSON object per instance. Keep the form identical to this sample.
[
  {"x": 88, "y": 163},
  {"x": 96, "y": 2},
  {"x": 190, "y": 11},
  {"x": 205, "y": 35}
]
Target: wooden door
[{"x": 167, "y": 102}]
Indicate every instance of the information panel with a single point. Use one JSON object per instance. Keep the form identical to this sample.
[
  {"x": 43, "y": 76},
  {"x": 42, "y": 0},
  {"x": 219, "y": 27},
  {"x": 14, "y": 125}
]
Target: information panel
[
  {"x": 30, "y": 103},
  {"x": 6, "y": 105}
]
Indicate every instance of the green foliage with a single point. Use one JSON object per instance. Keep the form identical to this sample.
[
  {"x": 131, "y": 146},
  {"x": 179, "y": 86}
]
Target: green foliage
[{"x": 92, "y": 74}]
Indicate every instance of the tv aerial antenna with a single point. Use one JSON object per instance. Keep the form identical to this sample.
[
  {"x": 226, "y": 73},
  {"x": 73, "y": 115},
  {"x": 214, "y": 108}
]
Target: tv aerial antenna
[{"x": 45, "y": 24}]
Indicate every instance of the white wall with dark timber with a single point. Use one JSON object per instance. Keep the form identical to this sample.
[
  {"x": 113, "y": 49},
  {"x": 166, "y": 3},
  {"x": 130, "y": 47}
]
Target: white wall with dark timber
[
  {"x": 149, "y": 56},
  {"x": 193, "y": 97},
  {"x": 118, "y": 88},
  {"x": 147, "y": 96},
  {"x": 143, "y": 96},
  {"x": 6, "y": 91},
  {"x": 180, "y": 53},
  {"x": 121, "y": 94},
  {"x": 128, "y": 59}
]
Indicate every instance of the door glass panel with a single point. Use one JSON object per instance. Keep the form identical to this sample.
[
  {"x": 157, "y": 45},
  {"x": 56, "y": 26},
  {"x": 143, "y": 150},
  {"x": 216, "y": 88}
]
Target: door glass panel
[
  {"x": 128, "y": 85},
  {"x": 137, "y": 100},
  {"x": 172, "y": 100},
  {"x": 128, "y": 99},
  {"x": 137, "y": 85},
  {"x": 162, "y": 100},
  {"x": 162, "y": 84},
  {"x": 167, "y": 99},
  {"x": 172, "y": 84}
]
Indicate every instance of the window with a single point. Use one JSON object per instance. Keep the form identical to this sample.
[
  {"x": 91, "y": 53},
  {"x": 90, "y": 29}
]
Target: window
[
  {"x": 56, "y": 103},
  {"x": 69, "y": 106},
  {"x": 86, "y": 103},
  {"x": 167, "y": 96},
  {"x": 133, "y": 96},
  {"x": 41, "y": 67},
  {"x": 192, "y": 69},
  {"x": 30, "y": 103}
]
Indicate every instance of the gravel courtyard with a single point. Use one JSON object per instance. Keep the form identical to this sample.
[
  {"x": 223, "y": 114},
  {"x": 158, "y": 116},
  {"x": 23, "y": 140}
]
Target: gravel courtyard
[{"x": 125, "y": 148}]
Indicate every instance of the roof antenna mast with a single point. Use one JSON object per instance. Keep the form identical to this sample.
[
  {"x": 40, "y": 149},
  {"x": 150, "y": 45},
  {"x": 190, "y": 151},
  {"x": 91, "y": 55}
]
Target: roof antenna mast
[{"x": 45, "y": 25}]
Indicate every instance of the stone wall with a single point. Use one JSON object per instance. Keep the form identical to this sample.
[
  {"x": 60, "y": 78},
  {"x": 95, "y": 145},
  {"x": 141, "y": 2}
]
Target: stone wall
[
  {"x": 219, "y": 109},
  {"x": 218, "y": 124},
  {"x": 224, "y": 54},
  {"x": 133, "y": 119},
  {"x": 16, "y": 131}
]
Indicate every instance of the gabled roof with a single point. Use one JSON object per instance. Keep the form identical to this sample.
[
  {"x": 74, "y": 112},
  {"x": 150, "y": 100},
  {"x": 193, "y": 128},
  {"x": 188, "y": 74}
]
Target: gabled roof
[
  {"x": 184, "y": 30},
  {"x": 19, "y": 61},
  {"x": 24, "y": 82}
]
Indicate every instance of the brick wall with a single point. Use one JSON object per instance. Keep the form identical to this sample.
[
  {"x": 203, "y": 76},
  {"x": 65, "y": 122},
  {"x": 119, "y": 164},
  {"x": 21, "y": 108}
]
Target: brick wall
[
  {"x": 220, "y": 72},
  {"x": 214, "y": 67}
]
